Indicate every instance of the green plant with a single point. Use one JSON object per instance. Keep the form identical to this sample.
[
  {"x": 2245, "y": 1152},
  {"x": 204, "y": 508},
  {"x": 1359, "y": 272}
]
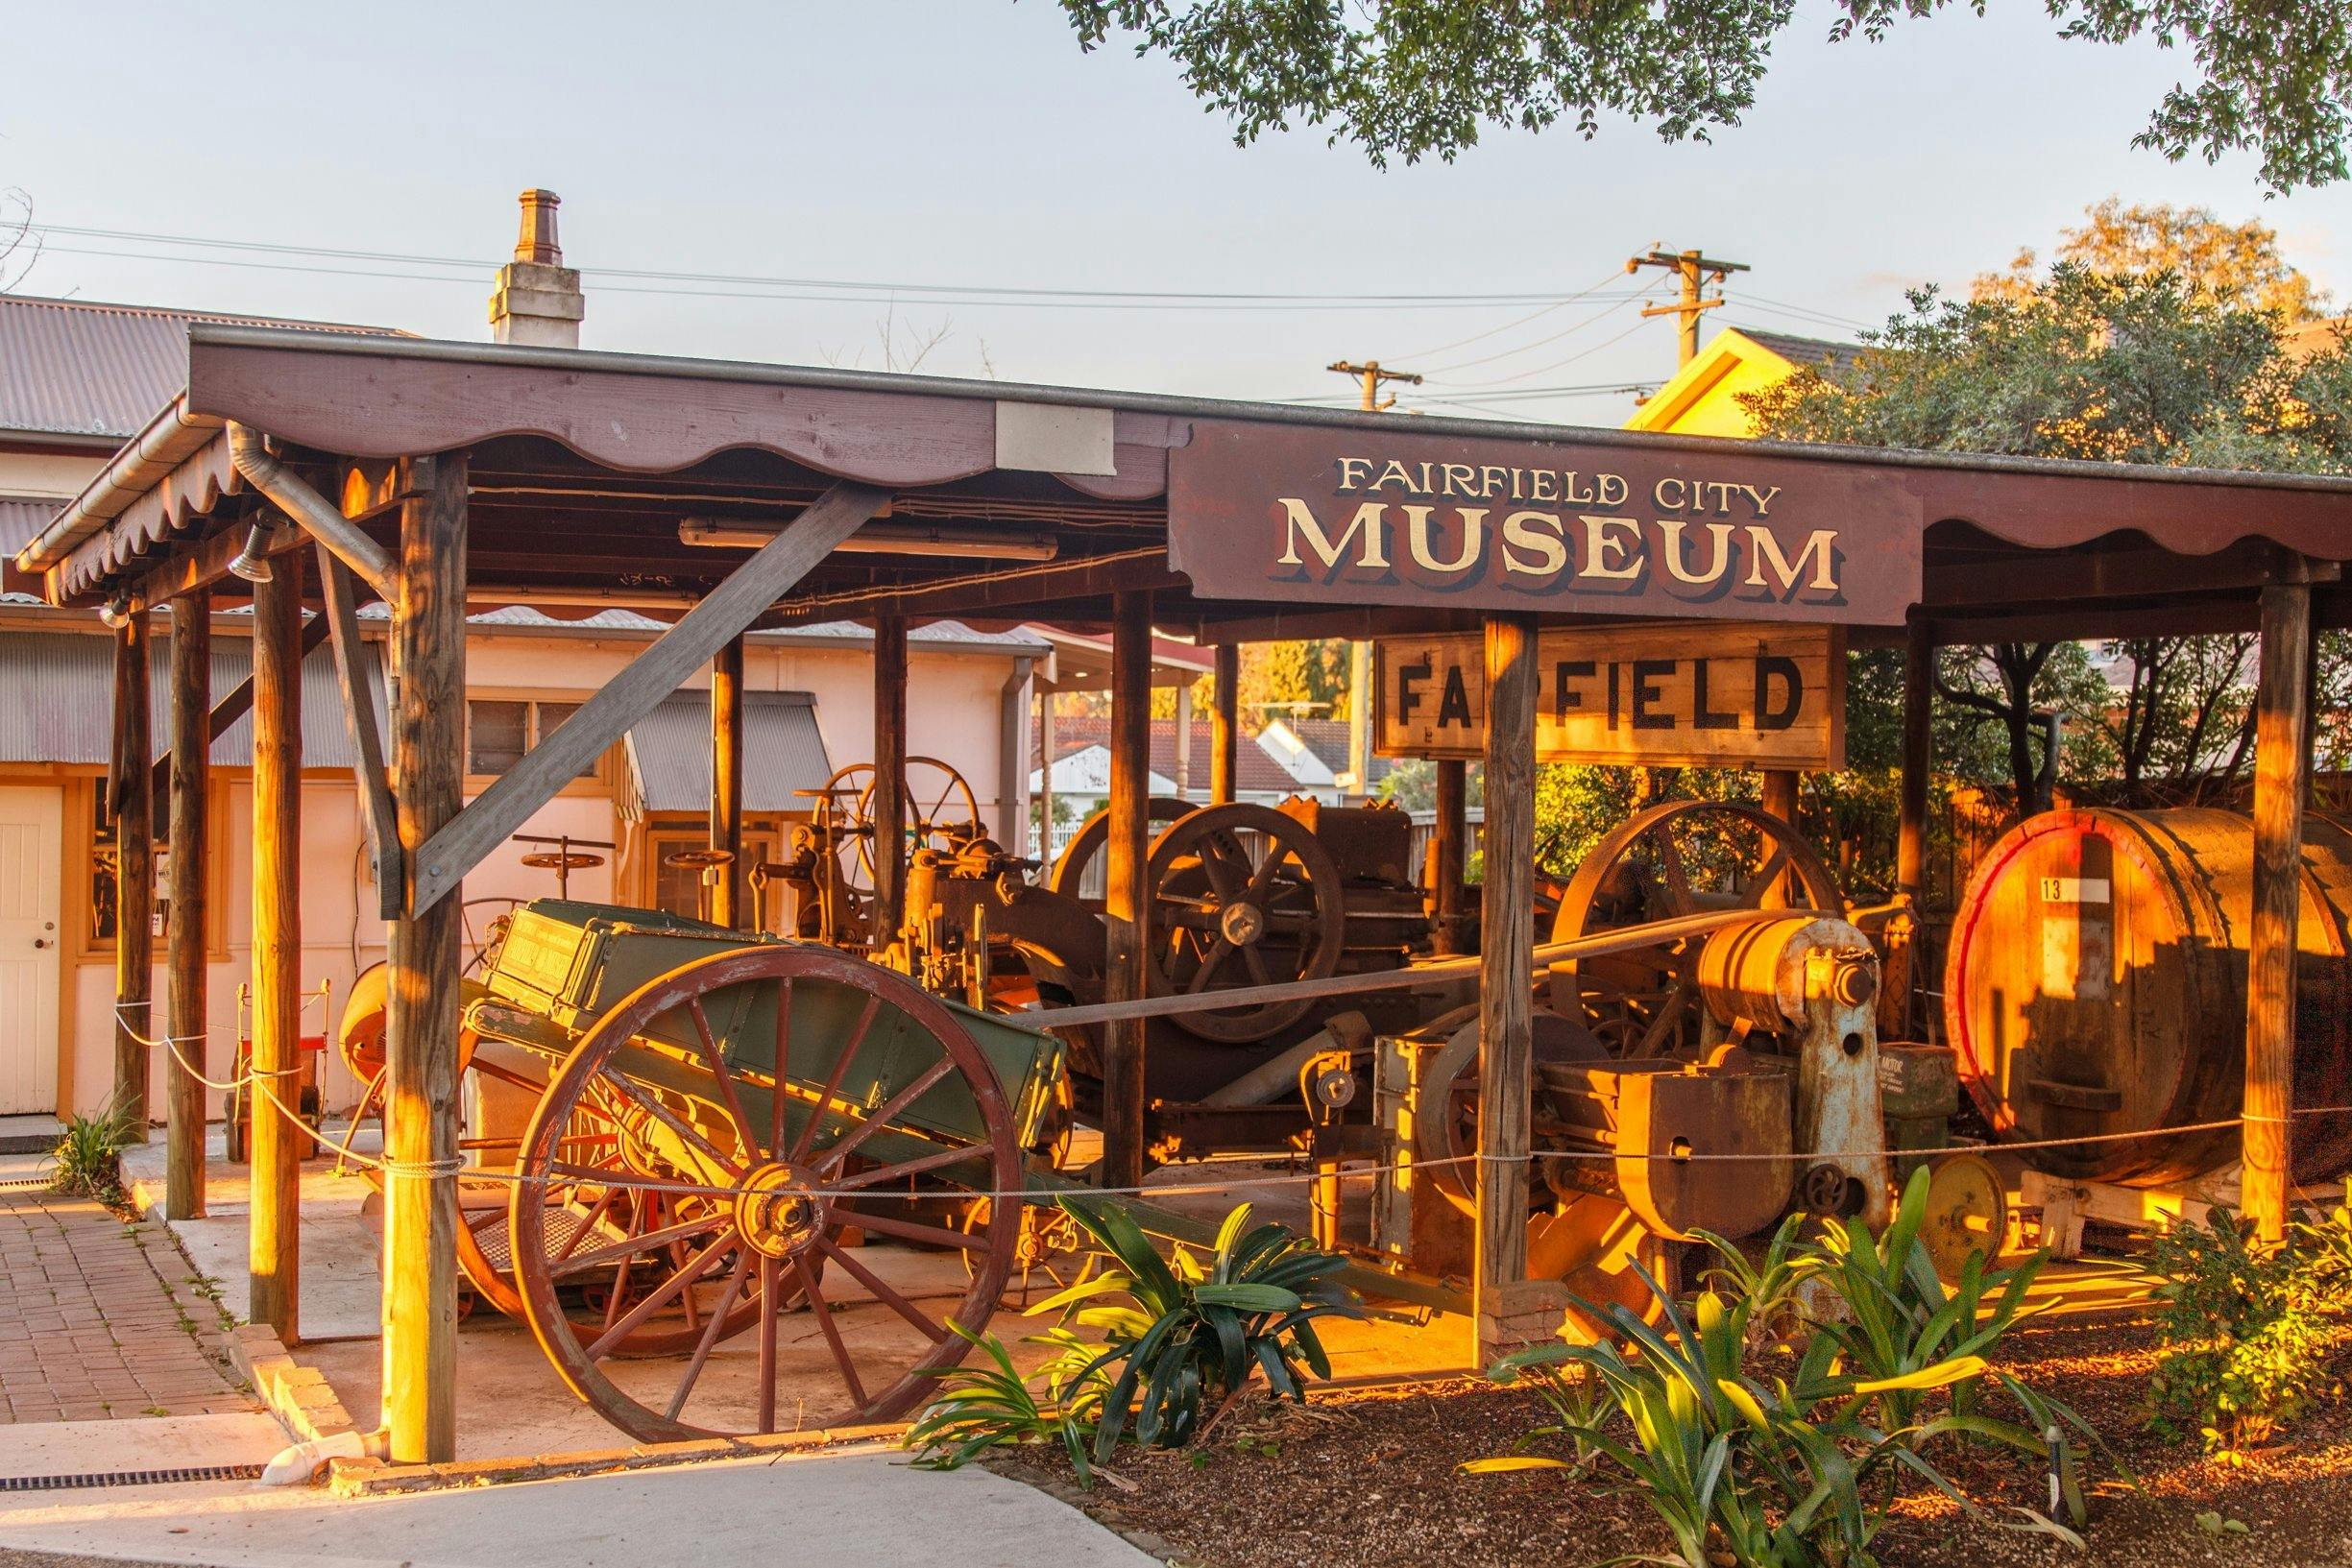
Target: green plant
[
  {"x": 2249, "y": 1328},
  {"x": 87, "y": 1158},
  {"x": 1777, "y": 1475},
  {"x": 1789, "y": 1467},
  {"x": 1189, "y": 1332},
  {"x": 983, "y": 1407},
  {"x": 1892, "y": 1318}
]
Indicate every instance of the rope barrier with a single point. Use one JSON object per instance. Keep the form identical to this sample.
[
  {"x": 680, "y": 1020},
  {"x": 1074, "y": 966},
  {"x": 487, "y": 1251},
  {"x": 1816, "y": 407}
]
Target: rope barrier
[{"x": 458, "y": 1164}]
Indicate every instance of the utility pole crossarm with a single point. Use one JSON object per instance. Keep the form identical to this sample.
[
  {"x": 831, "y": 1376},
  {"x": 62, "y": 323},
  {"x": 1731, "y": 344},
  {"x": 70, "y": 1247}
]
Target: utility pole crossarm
[
  {"x": 1372, "y": 374},
  {"x": 1696, "y": 270}
]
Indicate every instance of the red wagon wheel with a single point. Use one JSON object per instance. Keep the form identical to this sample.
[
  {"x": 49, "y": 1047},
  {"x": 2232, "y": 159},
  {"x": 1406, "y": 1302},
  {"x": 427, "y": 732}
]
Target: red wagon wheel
[
  {"x": 1682, "y": 857},
  {"x": 782, "y": 1162}
]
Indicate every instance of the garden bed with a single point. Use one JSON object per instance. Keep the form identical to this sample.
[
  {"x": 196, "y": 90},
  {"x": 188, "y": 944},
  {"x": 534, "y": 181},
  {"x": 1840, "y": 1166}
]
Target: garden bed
[{"x": 1361, "y": 1477}]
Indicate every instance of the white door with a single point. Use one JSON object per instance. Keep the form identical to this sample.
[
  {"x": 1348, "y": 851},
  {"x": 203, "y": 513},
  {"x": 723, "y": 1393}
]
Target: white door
[{"x": 31, "y": 822}]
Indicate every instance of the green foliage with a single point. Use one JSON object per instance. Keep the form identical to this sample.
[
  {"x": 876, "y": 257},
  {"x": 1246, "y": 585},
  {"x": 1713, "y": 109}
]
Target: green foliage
[
  {"x": 983, "y": 1407},
  {"x": 1188, "y": 1333},
  {"x": 1790, "y": 1468},
  {"x": 89, "y": 1158},
  {"x": 1411, "y": 79},
  {"x": 2249, "y": 1329},
  {"x": 2103, "y": 358}
]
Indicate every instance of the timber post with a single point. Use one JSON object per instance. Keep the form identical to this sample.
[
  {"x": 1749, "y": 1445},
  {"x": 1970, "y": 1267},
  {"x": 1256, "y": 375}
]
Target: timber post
[
  {"x": 1225, "y": 730},
  {"x": 2282, "y": 727},
  {"x": 1045, "y": 774},
  {"x": 1780, "y": 800},
  {"x": 275, "y": 1059},
  {"x": 1506, "y": 1005},
  {"x": 727, "y": 782},
  {"x": 1918, "y": 758},
  {"x": 1450, "y": 845},
  {"x": 428, "y": 650},
  {"x": 132, "y": 808},
  {"x": 890, "y": 781},
  {"x": 185, "y": 968},
  {"x": 1126, "y": 896}
]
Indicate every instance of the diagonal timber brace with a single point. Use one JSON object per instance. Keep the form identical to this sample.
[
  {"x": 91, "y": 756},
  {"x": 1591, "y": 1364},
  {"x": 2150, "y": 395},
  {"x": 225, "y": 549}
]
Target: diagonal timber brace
[
  {"x": 376, "y": 809},
  {"x": 749, "y": 593},
  {"x": 233, "y": 706}
]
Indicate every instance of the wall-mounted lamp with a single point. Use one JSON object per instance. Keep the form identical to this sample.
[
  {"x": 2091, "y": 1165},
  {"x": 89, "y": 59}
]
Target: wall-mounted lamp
[
  {"x": 116, "y": 611},
  {"x": 252, "y": 562},
  {"x": 881, "y": 538}
]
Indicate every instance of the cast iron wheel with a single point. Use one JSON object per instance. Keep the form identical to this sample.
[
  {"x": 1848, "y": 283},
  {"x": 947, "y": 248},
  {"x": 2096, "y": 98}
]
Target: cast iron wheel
[
  {"x": 775, "y": 1212},
  {"x": 1080, "y": 856},
  {"x": 1241, "y": 896},
  {"x": 1682, "y": 857}
]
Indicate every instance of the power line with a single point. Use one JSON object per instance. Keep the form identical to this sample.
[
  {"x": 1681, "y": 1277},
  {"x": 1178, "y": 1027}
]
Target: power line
[
  {"x": 1557, "y": 364},
  {"x": 1557, "y": 304},
  {"x": 1570, "y": 330},
  {"x": 967, "y": 292}
]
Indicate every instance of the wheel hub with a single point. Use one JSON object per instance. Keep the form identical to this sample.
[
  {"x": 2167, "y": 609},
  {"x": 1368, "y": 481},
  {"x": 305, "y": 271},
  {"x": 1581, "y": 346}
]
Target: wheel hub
[
  {"x": 1242, "y": 923},
  {"x": 780, "y": 1209}
]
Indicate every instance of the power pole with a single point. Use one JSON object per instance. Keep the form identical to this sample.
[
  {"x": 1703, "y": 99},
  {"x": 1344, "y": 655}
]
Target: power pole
[
  {"x": 1694, "y": 270},
  {"x": 1373, "y": 375},
  {"x": 1360, "y": 653}
]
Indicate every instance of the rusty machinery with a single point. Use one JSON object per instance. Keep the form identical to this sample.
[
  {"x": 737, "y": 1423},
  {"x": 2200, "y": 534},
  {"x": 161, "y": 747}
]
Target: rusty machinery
[{"x": 685, "y": 1100}]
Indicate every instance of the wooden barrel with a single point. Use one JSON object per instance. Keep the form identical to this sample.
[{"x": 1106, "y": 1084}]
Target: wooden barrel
[{"x": 2096, "y": 985}]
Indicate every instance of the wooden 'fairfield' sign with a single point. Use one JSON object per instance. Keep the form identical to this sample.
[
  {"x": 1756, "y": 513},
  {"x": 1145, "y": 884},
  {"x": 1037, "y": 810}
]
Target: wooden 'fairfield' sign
[
  {"x": 1653, "y": 695},
  {"x": 1366, "y": 516}
]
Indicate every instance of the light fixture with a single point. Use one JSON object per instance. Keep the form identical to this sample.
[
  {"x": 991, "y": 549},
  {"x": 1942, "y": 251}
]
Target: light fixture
[
  {"x": 881, "y": 538},
  {"x": 116, "y": 611},
  {"x": 252, "y": 562}
]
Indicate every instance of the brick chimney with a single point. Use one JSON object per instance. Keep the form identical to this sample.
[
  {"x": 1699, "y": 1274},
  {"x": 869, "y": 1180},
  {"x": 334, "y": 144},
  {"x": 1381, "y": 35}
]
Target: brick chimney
[{"x": 538, "y": 301}]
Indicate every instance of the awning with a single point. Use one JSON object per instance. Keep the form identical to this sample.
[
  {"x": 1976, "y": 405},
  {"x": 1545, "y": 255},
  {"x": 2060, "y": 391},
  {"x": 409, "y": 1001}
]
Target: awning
[
  {"x": 62, "y": 684},
  {"x": 670, "y": 752}
]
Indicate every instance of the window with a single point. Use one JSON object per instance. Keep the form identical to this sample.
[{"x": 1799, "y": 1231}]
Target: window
[
  {"x": 500, "y": 731},
  {"x": 106, "y": 888},
  {"x": 679, "y": 890}
]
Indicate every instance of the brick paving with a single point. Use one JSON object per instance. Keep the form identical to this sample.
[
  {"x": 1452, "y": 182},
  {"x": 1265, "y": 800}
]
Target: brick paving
[{"x": 101, "y": 1318}]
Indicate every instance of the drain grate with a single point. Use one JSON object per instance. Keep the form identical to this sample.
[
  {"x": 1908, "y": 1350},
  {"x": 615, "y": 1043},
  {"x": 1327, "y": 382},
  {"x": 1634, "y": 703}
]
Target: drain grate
[{"x": 131, "y": 1478}]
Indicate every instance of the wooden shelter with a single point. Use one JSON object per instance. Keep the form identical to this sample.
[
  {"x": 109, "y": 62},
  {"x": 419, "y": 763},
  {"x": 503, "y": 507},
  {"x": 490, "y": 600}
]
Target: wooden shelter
[{"x": 736, "y": 495}]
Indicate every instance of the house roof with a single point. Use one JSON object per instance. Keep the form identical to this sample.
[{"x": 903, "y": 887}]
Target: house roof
[
  {"x": 1327, "y": 739},
  {"x": 784, "y": 753},
  {"x": 60, "y": 706},
  {"x": 77, "y": 368},
  {"x": 1819, "y": 353},
  {"x": 21, "y": 516},
  {"x": 1259, "y": 772}
]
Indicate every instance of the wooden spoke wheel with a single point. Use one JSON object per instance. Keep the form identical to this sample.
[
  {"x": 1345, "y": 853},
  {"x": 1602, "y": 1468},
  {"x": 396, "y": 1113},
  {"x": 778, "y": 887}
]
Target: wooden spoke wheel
[
  {"x": 941, "y": 811},
  {"x": 1077, "y": 874},
  {"x": 1683, "y": 857},
  {"x": 1241, "y": 896},
  {"x": 778, "y": 1189}
]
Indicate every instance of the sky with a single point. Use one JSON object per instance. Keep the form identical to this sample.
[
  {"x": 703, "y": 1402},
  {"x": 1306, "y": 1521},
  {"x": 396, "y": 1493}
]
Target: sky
[{"x": 900, "y": 146}]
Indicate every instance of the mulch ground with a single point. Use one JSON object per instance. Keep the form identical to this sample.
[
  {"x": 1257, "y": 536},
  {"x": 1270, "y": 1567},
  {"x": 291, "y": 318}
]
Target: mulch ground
[{"x": 1372, "y": 1477}]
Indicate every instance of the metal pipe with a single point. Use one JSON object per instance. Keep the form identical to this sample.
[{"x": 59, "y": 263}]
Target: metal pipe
[{"x": 322, "y": 522}]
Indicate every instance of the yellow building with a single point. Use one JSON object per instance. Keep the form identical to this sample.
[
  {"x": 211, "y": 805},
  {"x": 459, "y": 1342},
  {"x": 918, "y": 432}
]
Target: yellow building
[{"x": 1703, "y": 399}]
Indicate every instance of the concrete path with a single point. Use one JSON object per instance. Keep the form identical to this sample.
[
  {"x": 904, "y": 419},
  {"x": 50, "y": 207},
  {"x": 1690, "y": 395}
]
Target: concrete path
[{"x": 866, "y": 1509}]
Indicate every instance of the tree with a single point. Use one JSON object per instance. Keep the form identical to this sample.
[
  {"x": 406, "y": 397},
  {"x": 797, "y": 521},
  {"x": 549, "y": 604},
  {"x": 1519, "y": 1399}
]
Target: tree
[
  {"x": 2237, "y": 265},
  {"x": 1411, "y": 79},
  {"x": 2160, "y": 367}
]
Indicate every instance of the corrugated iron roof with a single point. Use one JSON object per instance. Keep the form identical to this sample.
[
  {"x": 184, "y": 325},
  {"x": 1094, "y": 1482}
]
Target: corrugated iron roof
[
  {"x": 74, "y": 368},
  {"x": 669, "y": 752},
  {"x": 62, "y": 700},
  {"x": 22, "y": 516}
]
